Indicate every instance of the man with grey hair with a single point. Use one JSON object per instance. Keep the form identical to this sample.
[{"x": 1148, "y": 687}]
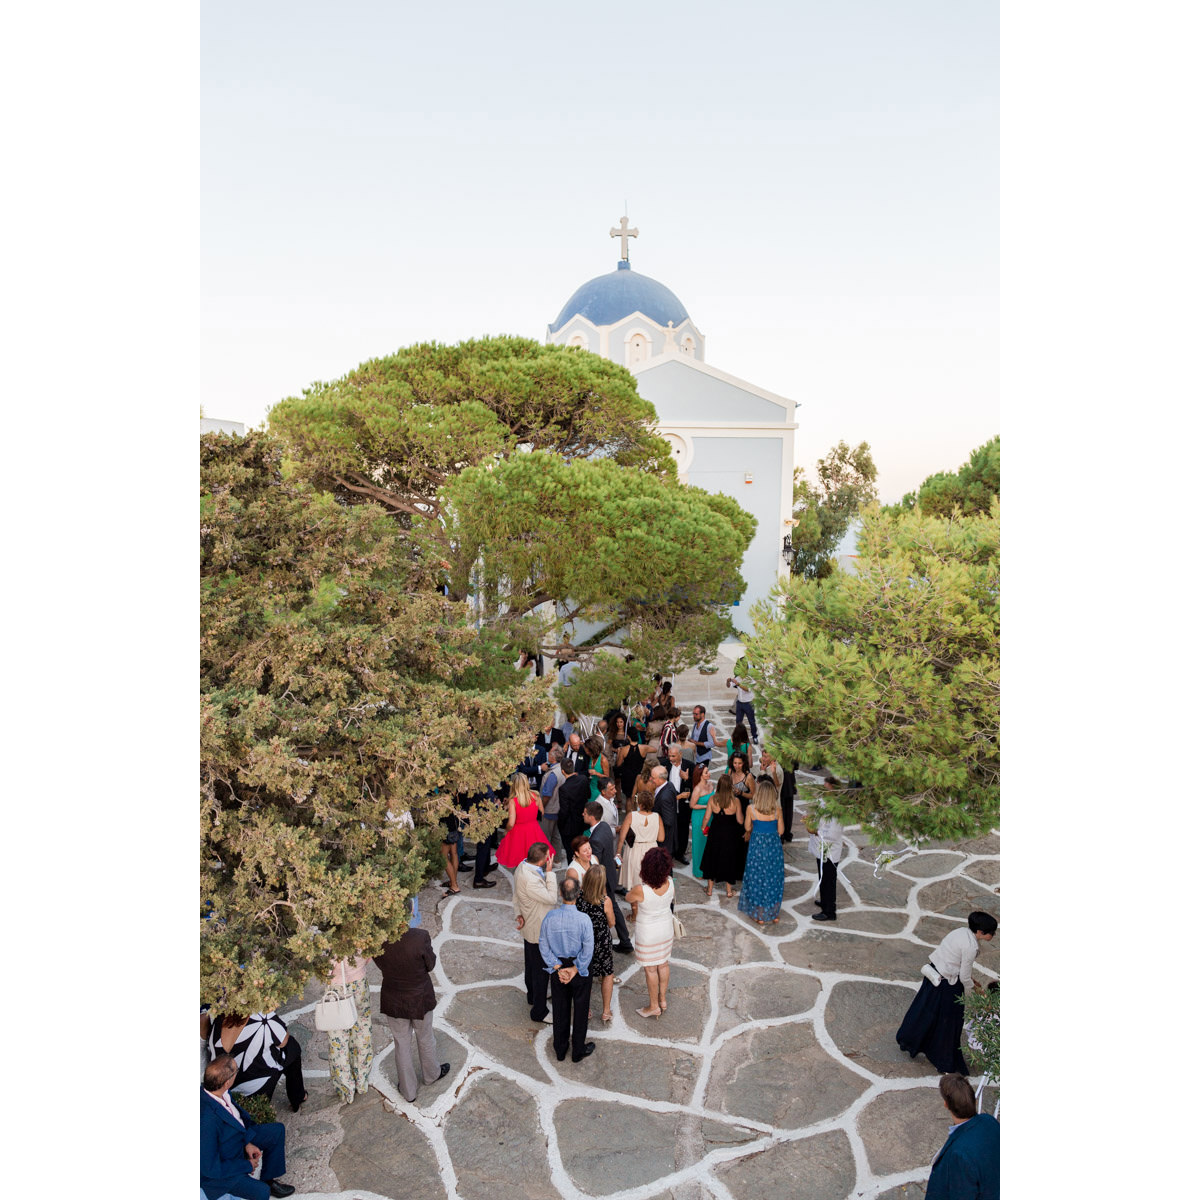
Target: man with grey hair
[
  {"x": 665, "y": 802},
  {"x": 567, "y": 944},
  {"x": 679, "y": 775},
  {"x": 232, "y": 1145}
]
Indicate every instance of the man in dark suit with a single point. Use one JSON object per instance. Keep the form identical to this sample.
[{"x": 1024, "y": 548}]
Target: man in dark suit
[
  {"x": 232, "y": 1145},
  {"x": 679, "y": 775},
  {"x": 665, "y": 804},
  {"x": 600, "y": 835},
  {"x": 572, "y": 796},
  {"x": 577, "y": 754},
  {"x": 967, "y": 1167}
]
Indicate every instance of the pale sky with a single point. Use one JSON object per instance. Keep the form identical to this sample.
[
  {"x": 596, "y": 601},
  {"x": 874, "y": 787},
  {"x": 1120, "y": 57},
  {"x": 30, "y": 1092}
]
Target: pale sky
[{"x": 818, "y": 183}]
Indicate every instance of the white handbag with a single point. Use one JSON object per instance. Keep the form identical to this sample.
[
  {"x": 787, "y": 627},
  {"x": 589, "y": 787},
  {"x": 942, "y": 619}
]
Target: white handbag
[
  {"x": 678, "y": 926},
  {"x": 336, "y": 1011},
  {"x": 932, "y": 974}
]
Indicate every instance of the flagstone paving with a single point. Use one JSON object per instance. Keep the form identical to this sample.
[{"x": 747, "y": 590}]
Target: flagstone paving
[{"x": 774, "y": 1072}]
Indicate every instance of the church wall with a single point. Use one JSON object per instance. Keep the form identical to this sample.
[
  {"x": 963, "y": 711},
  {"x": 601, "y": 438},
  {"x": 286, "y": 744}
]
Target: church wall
[
  {"x": 681, "y": 393},
  {"x": 721, "y": 465}
]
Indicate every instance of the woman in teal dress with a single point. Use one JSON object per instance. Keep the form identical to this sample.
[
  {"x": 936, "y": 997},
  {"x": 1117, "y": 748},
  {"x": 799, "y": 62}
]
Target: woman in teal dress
[
  {"x": 598, "y": 764},
  {"x": 762, "y": 888},
  {"x": 702, "y": 790}
]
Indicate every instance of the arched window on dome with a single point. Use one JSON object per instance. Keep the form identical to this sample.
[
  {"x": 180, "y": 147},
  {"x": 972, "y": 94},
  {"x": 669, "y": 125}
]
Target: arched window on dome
[
  {"x": 688, "y": 346},
  {"x": 637, "y": 349},
  {"x": 577, "y": 339}
]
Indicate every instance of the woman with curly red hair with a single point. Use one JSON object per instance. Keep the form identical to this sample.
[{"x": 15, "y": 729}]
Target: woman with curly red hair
[{"x": 656, "y": 929}]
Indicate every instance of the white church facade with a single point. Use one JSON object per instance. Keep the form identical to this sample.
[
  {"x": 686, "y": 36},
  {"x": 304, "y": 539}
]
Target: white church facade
[{"x": 727, "y": 435}]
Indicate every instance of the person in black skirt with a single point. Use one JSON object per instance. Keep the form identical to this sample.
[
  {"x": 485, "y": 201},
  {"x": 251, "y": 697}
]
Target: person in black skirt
[
  {"x": 724, "y": 857},
  {"x": 934, "y": 1022}
]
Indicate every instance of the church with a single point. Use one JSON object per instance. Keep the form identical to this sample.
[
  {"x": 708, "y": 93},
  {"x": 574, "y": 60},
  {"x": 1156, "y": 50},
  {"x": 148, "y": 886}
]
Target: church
[{"x": 727, "y": 435}]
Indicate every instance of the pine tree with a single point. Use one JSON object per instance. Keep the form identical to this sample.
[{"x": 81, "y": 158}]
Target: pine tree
[
  {"x": 890, "y": 676},
  {"x": 341, "y": 695}
]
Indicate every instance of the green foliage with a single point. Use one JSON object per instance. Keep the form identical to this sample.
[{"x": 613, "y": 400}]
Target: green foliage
[
  {"x": 970, "y": 490},
  {"x": 823, "y": 510},
  {"x": 621, "y": 544},
  {"x": 529, "y": 482},
  {"x": 338, "y": 692},
  {"x": 982, "y": 1010},
  {"x": 891, "y": 675},
  {"x": 397, "y": 428},
  {"x": 261, "y": 1110}
]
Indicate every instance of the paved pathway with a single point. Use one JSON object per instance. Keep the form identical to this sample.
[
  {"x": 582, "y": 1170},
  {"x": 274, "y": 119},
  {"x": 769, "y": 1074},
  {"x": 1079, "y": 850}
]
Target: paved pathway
[{"x": 774, "y": 1073}]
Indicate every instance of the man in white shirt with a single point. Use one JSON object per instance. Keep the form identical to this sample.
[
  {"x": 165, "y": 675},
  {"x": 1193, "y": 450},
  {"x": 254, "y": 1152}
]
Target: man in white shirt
[
  {"x": 743, "y": 708},
  {"x": 701, "y": 739},
  {"x": 608, "y": 803}
]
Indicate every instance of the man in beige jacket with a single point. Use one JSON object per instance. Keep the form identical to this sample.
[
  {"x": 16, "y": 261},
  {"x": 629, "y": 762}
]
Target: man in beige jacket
[{"x": 534, "y": 895}]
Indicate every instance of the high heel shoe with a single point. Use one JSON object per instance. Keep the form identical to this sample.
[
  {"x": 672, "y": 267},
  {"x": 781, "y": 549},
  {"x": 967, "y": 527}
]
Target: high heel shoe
[
  {"x": 649, "y": 1012},
  {"x": 606, "y": 1017}
]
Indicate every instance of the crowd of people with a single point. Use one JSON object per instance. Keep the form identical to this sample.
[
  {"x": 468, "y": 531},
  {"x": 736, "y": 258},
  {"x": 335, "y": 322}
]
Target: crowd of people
[{"x": 617, "y": 808}]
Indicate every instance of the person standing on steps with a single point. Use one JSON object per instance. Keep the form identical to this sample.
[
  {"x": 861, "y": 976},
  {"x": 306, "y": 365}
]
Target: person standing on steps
[
  {"x": 567, "y": 943},
  {"x": 743, "y": 709}
]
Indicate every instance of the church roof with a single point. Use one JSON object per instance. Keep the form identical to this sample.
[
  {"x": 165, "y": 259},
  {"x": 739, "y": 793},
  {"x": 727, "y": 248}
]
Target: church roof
[{"x": 609, "y": 298}]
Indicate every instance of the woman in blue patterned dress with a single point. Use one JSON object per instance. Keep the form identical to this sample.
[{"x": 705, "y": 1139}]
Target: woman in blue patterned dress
[{"x": 762, "y": 889}]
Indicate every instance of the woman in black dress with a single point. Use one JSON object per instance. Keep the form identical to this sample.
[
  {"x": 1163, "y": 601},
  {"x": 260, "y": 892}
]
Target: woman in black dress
[
  {"x": 724, "y": 858},
  {"x": 594, "y": 903}
]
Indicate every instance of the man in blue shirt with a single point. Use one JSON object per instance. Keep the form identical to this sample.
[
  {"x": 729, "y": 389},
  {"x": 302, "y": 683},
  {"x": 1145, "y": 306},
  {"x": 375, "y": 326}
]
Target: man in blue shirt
[
  {"x": 967, "y": 1167},
  {"x": 566, "y": 944}
]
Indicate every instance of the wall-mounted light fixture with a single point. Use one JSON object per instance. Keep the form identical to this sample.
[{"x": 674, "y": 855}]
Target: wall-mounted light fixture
[{"x": 788, "y": 552}]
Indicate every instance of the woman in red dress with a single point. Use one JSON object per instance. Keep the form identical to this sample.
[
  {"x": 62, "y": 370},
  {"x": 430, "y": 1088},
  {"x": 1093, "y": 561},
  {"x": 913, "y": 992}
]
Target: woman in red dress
[{"x": 524, "y": 812}]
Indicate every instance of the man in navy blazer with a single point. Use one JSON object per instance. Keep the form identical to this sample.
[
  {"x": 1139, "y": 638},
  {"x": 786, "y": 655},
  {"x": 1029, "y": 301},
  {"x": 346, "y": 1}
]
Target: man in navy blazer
[
  {"x": 967, "y": 1167},
  {"x": 232, "y": 1145}
]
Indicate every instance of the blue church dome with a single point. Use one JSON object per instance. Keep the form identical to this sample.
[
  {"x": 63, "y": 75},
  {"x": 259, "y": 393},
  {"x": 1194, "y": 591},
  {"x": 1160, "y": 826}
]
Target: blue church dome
[{"x": 609, "y": 298}]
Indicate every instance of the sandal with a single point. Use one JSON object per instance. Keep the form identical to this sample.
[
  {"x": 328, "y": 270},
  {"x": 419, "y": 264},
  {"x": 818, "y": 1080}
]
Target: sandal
[
  {"x": 708, "y": 891},
  {"x": 649, "y": 1012},
  {"x": 606, "y": 1016}
]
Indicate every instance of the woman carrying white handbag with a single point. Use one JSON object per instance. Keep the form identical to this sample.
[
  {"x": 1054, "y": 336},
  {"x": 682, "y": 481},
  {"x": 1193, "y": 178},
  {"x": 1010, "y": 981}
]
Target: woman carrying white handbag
[{"x": 351, "y": 1051}]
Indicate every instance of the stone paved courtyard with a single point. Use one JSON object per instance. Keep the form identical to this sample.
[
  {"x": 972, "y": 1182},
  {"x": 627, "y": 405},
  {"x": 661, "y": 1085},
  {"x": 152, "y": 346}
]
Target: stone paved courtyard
[{"x": 774, "y": 1072}]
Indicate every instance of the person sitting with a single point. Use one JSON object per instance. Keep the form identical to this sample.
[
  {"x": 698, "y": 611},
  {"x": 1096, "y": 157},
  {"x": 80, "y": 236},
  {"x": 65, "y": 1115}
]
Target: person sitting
[{"x": 232, "y": 1145}]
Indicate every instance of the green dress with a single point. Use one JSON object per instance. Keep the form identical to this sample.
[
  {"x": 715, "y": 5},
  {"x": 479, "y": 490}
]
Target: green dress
[{"x": 698, "y": 838}]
